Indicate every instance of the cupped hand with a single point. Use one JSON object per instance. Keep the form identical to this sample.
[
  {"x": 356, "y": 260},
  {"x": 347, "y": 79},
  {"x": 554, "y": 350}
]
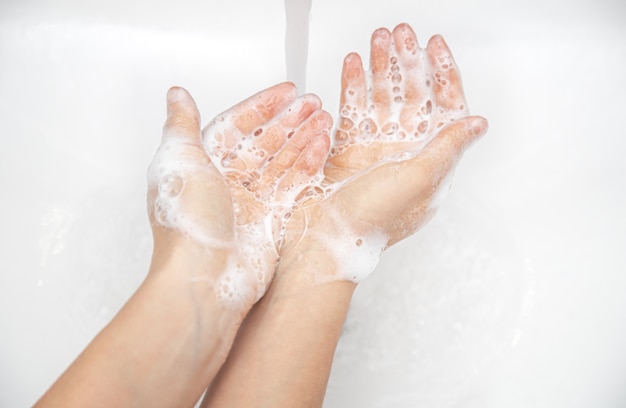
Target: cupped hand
[
  {"x": 271, "y": 149},
  {"x": 403, "y": 127}
]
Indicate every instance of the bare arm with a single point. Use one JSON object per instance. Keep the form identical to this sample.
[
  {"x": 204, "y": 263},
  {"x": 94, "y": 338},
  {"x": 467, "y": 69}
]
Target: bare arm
[
  {"x": 213, "y": 255},
  {"x": 173, "y": 333}
]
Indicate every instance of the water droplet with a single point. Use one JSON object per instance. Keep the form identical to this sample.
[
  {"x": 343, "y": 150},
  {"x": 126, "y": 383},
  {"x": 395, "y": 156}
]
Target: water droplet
[
  {"x": 170, "y": 185},
  {"x": 227, "y": 160},
  {"x": 389, "y": 128},
  {"x": 341, "y": 136},
  {"x": 410, "y": 44},
  {"x": 345, "y": 124},
  {"x": 423, "y": 126},
  {"x": 368, "y": 126},
  {"x": 160, "y": 214}
]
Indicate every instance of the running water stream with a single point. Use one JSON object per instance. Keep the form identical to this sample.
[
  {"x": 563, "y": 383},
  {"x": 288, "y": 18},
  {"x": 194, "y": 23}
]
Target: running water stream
[{"x": 297, "y": 41}]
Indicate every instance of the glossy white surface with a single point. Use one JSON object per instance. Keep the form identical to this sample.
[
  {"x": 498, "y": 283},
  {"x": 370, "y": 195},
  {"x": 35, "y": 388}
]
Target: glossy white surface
[{"x": 514, "y": 296}]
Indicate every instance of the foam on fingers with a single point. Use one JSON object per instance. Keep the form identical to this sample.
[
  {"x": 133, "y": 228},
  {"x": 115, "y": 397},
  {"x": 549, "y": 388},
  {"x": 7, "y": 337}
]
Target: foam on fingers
[
  {"x": 411, "y": 93},
  {"x": 263, "y": 106},
  {"x": 447, "y": 86}
]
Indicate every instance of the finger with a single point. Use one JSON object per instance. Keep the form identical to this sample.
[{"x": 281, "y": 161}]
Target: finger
[
  {"x": 379, "y": 65},
  {"x": 353, "y": 87},
  {"x": 447, "y": 86},
  {"x": 244, "y": 120},
  {"x": 183, "y": 118},
  {"x": 269, "y": 138},
  {"x": 405, "y": 71},
  {"x": 317, "y": 124},
  {"x": 353, "y": 99},
  {"x": 277, "y": 132},
  {"x": 262, "y": 107},
  {"x": 309, "y": 163}
]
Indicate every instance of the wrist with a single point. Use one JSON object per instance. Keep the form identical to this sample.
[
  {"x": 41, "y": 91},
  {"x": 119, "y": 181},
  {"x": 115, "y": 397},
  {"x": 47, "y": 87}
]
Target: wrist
[{"x": 309, "y": 262}]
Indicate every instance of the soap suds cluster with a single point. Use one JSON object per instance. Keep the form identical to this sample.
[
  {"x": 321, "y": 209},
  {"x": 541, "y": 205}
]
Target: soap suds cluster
[{"x": 398, "y": 118}]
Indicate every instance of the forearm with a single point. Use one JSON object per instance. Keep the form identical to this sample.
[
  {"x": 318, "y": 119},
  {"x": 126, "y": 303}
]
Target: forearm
[
  {"x": 284, "y": 350},
  {"x": 169, "y": 338}
]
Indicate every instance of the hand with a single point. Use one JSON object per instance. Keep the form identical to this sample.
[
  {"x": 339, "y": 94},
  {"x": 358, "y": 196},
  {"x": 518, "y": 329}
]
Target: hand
[
  {"x": 189, "y": 204},
  {"x": 403, "y": 128},
  {"x": 271, "y": 149}
]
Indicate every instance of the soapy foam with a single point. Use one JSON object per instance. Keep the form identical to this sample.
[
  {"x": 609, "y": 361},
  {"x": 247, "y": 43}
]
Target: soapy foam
[
  {"x": 405, "y": 122},
  {"x": 246, "y": 276},
  {"x": 356, "y": 254},
  {"x": 263, "y": 198},
  {"x": 167, "y": 175},
  {"x": 251, "y": 251}
]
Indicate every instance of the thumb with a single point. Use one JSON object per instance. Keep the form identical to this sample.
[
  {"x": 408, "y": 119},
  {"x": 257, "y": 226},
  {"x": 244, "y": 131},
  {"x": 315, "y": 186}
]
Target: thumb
[
  {"x": 183, "y": 118},
  {"x": 446, "y": 149}
]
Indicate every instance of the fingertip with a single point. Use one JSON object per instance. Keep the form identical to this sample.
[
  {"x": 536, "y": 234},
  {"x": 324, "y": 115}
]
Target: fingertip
[
  {"x": 479, "y": 126},
  {"x": 437, "y": 41},
  {"x": 353, "y": 59},
  {"x": 403, "y": 27},
  {"x": 288, "y": 88},
  {"x": 176, "y": 93},
  {"x": 325, "y": 119},
  {"x": 404, "y": 36},
  {"x": 381, "y": 33},
  {"x": 312, "y": 99},
  {"x": 316, "y": 153}
]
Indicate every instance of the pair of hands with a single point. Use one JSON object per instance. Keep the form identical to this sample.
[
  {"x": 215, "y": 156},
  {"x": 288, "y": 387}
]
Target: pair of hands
[{"x": 261, "y": 181}]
